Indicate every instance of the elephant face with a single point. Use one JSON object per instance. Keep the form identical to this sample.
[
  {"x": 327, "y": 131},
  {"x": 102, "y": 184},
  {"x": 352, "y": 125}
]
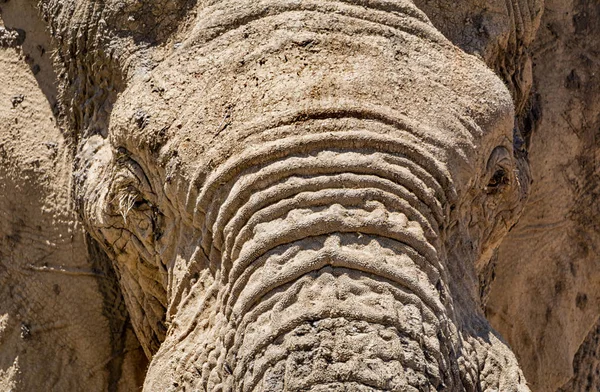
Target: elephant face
[{"x": 299, "y": 195}]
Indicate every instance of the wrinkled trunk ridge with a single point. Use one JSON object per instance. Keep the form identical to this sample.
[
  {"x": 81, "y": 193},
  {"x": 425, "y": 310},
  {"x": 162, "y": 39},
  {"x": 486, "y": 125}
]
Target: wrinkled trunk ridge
[{"x": 326, "y": 248}]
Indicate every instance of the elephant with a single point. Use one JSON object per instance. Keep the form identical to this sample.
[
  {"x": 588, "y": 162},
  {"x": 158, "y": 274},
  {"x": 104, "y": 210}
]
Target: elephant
[{"x": 277, "y": 195}]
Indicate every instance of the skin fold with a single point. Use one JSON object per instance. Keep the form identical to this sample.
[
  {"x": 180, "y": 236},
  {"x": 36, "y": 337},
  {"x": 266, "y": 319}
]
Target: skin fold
[{"x": 300, "y": 195}]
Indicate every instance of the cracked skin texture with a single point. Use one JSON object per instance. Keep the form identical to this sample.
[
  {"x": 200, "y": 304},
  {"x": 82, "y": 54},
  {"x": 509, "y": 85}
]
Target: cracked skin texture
[{"x": 292, "y": 196}]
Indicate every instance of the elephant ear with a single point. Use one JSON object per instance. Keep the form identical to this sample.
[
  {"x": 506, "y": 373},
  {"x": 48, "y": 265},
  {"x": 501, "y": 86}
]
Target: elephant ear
[
  {"x": 546, "y": 297},
  {"x": 59, "y": 299},
  {"x": 500, "y": 32},
  {"x": 542, "y": 288},
  {"x": 95, "y": 41}
]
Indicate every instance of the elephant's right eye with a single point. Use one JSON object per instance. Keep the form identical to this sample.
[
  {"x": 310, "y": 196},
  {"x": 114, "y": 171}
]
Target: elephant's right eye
[{"x": 131, "y": 190}]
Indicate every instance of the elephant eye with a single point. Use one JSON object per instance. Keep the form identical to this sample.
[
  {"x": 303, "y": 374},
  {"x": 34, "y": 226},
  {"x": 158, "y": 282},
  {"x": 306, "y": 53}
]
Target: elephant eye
[
  {"x": 498, "y": 170},
  {"x": 131, "y": 189},
  {"x": 499, "y": 178}
]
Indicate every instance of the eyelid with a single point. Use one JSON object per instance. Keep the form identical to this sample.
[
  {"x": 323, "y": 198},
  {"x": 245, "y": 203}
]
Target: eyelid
[
  {"x": 135, "y": 168},
  {"x": 500, "y": 156}
]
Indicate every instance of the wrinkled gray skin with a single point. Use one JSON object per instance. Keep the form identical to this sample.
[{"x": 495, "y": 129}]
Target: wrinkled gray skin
[{"x": 299, "y": 195}]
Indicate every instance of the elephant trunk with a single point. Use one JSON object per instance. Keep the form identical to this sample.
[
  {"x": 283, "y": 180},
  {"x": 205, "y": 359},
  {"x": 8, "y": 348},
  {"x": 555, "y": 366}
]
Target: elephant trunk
[{"x": 326, "y": 248}]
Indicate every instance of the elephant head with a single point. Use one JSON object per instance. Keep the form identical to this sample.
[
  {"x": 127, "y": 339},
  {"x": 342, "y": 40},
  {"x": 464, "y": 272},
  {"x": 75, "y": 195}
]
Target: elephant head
[{"x": 295, "y": 195}]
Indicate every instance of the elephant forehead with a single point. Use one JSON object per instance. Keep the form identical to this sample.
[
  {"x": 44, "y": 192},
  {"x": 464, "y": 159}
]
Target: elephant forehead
[
  {"x": 214, "y": 95},
  {"x": 281, "y": 52}
]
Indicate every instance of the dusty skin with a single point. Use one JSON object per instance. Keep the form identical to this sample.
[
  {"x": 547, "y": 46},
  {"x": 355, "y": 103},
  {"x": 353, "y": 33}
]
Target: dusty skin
[{"x": 299, "y": 195}]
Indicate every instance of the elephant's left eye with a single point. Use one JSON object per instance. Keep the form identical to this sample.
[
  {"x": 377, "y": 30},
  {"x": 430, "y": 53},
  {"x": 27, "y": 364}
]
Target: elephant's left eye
[
  {"x": 498, "y": 179},
  {"x": 498, "y": 170}
]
